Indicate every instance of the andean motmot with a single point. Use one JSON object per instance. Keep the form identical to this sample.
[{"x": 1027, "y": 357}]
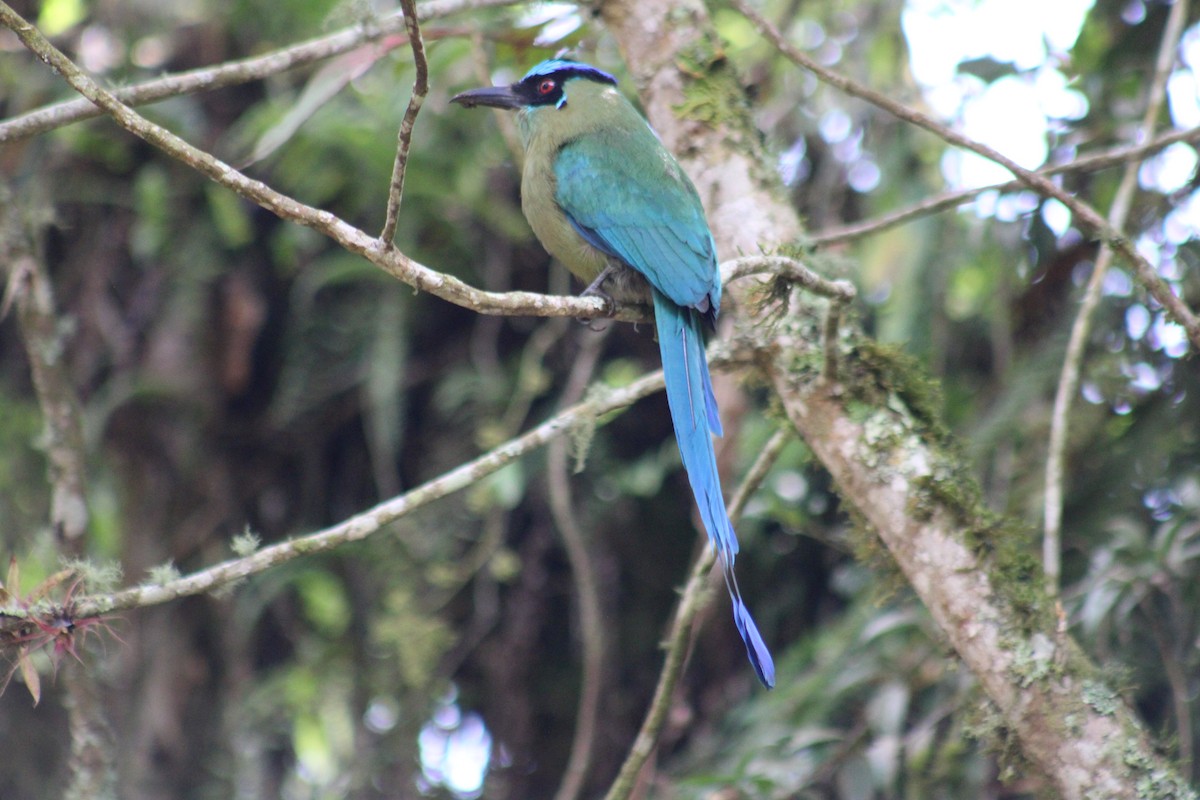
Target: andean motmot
[{"x": 608, "y": 200}]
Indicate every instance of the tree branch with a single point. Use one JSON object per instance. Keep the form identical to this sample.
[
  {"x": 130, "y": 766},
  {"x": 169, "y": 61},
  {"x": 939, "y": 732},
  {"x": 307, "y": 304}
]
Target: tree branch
[
  {"x": 791, "y": 270},
  {"x": 1112, "y": 157},
  {"x": 1145, "y": 272},
  {"x": 840, "y": 293},
  {"x": 233, "y": 73},
  {"x": 377, "y": 251},
  {"x": 43, "y": 334},
  {"x": 1079, "y": 733},
  {"x": 1068, "y": 381},
  {"x": 360, "y": 526},
  {"x": 404, "y": 137},
  {"x": 92, "y": 763},
  {"x": 382, "y": 254}
]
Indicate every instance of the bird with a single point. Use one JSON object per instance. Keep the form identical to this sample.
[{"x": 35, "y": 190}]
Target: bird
[{"x": 606, "y": 198}]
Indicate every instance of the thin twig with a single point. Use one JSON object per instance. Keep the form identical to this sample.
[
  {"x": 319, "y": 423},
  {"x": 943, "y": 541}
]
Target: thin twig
[
  {"x": 695, "y": 599},
  {"x": 840, "y": 293},
  {"x": 1111, "y": 157},
  {"x": 1084, "y": 213},
  {"x": 404, "y": 137},
  {"x": 233, "y": 73},
  {"x": 529, "y": 384},
  {"x": 591, "y": 618},
  {"x": 362, "y": 525},
  {"x": 791, "y": 270},
  {"x": 1068, "y": 381},
  {"x": 758, "y": 472}
]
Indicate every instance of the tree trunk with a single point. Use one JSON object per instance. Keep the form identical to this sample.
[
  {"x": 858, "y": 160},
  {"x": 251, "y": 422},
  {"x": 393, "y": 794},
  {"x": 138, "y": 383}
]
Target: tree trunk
[{"x": 876, "y": 431}]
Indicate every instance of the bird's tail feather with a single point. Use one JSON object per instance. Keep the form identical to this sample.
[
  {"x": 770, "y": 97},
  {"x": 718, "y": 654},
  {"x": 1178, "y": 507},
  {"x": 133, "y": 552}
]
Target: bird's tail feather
[{"x": 694, "y": 415}]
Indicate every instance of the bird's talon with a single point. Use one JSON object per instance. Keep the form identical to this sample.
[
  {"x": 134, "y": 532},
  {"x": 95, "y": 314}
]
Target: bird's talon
[
  {"x": 610, "y": 309},
  {"x": 610, "y": 305}
]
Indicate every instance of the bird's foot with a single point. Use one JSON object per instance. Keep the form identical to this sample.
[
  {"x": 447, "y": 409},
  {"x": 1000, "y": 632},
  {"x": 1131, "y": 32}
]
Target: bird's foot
[
  {"x": 610, "y": 305},
  {"x": 610, "y": 310},
  {"x": 593, "y": 290}
]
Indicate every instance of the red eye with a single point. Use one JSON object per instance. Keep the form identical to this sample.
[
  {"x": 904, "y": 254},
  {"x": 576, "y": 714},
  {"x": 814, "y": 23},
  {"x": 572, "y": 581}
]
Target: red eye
[{"x": 546, "y": 86}]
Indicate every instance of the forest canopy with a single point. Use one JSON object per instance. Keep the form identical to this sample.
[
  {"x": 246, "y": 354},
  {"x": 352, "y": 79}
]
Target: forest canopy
[{"x": 314, "y": 485}]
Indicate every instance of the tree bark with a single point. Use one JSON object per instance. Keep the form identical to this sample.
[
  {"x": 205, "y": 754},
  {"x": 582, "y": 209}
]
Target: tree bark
[{"x": 876, "y": 430}]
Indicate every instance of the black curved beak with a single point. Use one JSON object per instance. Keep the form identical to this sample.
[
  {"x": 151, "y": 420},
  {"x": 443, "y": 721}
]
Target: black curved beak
[{"x": 494, "y": 96}]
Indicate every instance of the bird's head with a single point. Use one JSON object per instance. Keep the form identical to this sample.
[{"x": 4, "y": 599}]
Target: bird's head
[{"x": 546, "y": 85}]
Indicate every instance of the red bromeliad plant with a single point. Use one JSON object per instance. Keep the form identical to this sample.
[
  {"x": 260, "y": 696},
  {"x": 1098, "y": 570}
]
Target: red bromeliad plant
[{"x": 40, "y": 624}]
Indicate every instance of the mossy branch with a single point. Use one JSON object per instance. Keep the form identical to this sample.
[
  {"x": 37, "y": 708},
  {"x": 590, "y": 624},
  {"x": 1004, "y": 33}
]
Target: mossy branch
[{"x": 360, "y": 526}]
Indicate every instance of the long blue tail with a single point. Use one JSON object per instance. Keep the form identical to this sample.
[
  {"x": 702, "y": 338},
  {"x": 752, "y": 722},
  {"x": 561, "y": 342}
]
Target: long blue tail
[{"x": 694, "y": 415}]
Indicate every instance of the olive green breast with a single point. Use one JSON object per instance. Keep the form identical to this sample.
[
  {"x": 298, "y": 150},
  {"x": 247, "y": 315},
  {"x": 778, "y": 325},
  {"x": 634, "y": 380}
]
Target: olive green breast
[{"x": 551, "y": 225}]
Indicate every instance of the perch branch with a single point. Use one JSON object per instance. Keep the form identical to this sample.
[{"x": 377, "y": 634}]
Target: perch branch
[{"x": 352, "y": 239}]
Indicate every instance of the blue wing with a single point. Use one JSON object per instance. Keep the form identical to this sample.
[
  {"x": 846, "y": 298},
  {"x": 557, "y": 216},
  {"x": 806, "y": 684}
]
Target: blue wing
[{"x": 644, "y": 211}]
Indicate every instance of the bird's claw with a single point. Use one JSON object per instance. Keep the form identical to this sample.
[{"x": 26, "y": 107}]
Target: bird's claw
[{"x": 610, "y": 305}]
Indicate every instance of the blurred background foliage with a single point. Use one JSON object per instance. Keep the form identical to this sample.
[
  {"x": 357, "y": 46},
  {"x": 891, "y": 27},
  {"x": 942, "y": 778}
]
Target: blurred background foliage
[{"x": 241, "y": 374}]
